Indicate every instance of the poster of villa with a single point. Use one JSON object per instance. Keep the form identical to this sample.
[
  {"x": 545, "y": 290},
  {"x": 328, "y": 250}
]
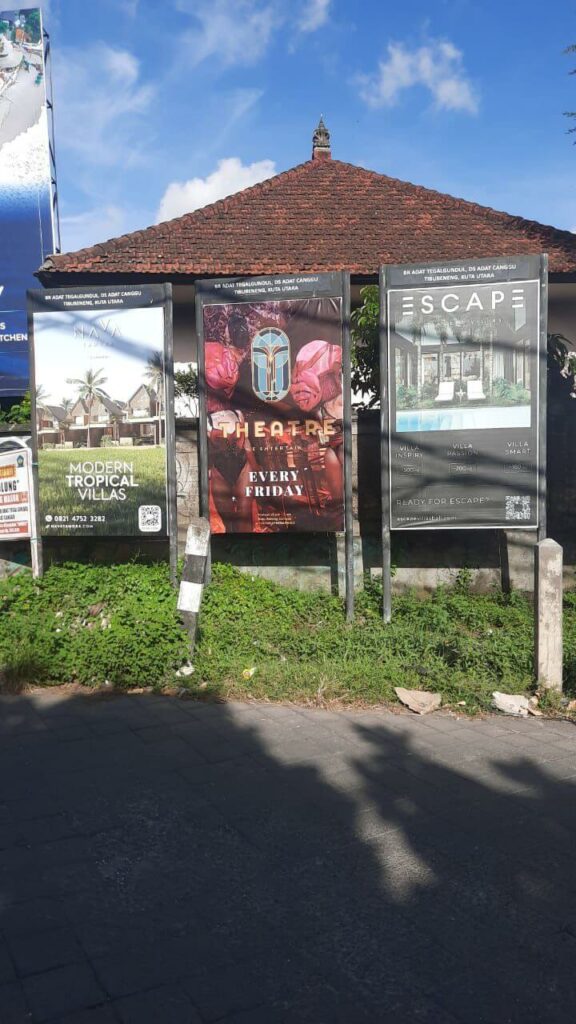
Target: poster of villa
[
  {"x": 463, "y": 363},
  {"x": 100, "y": 411}
]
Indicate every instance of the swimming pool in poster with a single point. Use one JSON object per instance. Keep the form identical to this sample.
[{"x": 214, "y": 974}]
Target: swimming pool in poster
[{"x": 462, "y": 419}]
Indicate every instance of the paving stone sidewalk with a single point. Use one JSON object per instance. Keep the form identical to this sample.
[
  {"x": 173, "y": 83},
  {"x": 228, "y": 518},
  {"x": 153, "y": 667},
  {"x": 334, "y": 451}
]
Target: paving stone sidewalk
[{"x": 172, "y": 862}]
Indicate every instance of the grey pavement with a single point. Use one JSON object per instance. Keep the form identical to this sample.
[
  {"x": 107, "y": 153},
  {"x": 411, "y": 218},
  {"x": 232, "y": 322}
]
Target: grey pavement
[{"x": 175, "y": 862}]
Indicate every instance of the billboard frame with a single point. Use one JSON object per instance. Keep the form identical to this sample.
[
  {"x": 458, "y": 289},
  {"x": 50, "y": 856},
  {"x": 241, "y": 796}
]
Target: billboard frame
[
  {"x": 204, "y": 296},
  {"x": 165, "y": 300},
  {"x": 539, "y": 528}
]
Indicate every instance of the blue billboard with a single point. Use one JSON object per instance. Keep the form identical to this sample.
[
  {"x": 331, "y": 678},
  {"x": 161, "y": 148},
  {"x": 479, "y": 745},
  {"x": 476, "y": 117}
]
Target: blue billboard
[{"x": 26, "y": 212}]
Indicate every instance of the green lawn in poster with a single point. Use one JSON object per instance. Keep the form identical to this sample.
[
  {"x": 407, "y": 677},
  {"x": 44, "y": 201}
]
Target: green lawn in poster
[{"x": 121, "y": 518}]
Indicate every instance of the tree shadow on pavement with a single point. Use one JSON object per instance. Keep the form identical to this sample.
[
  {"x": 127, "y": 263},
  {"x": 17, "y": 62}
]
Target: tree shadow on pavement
[{"x": 176, "y": 862}]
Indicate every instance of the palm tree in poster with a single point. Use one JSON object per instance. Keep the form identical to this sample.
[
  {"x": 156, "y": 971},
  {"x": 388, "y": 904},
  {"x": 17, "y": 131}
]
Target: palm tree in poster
[
  {"x": 89, "y": 387},
  {"x": 116, "y": 418},
  {"x": 40, "y": 396},
  {"x": 154, "y": 376},
  {"x": 66, "y": 406}
]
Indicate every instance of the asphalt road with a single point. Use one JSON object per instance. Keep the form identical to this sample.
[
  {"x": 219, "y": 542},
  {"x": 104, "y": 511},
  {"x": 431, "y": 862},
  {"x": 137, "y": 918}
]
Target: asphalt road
[{"x": 180, "y": 863}]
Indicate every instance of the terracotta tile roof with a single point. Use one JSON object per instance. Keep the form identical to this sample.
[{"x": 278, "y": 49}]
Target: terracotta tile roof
[{"x": 320, "y": 215}]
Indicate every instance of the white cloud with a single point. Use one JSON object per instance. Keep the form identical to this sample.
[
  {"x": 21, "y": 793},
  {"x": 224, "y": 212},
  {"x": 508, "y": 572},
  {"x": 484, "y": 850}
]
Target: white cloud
[
  {"x": 230, "y": 176},
  {"x": 314, "y": 14},
  {"x": 437, "y": 66},
  {"x": 231, "y": 31},
  {"x": 101, "y": 104}
]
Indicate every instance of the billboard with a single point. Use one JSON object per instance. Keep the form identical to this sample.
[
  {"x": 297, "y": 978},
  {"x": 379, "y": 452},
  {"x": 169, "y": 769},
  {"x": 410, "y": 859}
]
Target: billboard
[
  {"x": 99, "y": 360},
  {"x": 464, "y": 357},
  {"x": 271, "y": 366},
  {"x": 26, "y": 216},
  {"x": 16, "y": 490}
]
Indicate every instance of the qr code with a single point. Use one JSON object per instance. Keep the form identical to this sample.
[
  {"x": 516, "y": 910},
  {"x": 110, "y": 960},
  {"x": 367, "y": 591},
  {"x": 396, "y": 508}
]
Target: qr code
[
  {"x": 517, "y": 507},
  {"x": 150, "y": 518}
]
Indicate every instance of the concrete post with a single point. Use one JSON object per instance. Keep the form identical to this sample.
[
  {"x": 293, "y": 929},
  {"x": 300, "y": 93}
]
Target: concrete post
[
  {"x": 194, "y": 575},
  {"x": 548, "y": 614}
]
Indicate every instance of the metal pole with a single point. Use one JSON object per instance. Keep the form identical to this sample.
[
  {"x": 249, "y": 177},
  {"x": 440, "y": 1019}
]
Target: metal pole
[
  {"x": 347, "y": 425},
  {"x": 170, "y": 428},
  {"x": 36, "y": 549},
  {"x": 55, "y": 205},
  {"x": 543, "y": 398},
  {"x": 385, "y": 452},
  {"x": 202, "y": 423},
  {"x": 504, "y": 562}
]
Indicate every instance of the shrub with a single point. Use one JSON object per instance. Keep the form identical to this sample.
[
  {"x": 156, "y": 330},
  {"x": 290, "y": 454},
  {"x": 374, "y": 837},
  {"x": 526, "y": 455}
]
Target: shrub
[
  {"x": 17, "y": 413},
  {"x": 429, "y": 391},
  {"x": 463, "y": 645},
  {"x": 119, "y": 623},
  {"x": 406, "y": 397},
  {"x": 90, "y": 624},
  {"x": 504, "y": 392}
]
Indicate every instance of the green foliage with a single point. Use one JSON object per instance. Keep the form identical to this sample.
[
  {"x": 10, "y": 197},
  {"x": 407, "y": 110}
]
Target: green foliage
[
  {"x": 366, "y": 345},
  {"x": 90, "y": 624},
  {"x": 506, "y": 393},
  {"x": 571, "y": 113},
  {"x": 561, "y": 353},
  {"x": 119, "y": 623},
  {"x": 19, "y": 412},
  {"x": 551, "y": 702},
  {"x": 461, "y": 644},
  {"x": 429, "y": 392},
  {"x": 406, "y": 397},
  {"x": 32, "y": 25},
  {"x": 186, "y": 382}
]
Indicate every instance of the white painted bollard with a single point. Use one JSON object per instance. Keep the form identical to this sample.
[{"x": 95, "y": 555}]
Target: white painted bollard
[
  {"x": 193, "y": 575},
  {"x": 548, "y": 591}
]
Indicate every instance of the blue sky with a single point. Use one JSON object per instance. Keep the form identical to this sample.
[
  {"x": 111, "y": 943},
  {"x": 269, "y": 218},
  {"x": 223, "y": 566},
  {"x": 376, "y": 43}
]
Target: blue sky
[{"x": 164, "y": 105}]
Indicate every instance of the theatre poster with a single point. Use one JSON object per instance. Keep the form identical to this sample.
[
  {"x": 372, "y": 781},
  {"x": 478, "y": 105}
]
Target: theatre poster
[{"x": 271, "y": 366}]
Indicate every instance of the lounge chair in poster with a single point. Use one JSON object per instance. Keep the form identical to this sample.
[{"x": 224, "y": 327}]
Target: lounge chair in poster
[
  {"x": 475, "y": 391},
  {"x": 445, "y": 391}
]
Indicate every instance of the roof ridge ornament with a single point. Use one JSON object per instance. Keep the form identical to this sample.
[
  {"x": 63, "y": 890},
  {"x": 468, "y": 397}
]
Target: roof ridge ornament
[{"x": 321, "y": 142}]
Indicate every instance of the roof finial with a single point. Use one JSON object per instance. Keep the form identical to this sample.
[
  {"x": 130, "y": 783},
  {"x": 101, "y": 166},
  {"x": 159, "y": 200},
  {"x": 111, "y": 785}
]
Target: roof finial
[{"x": 321, "y": 142}]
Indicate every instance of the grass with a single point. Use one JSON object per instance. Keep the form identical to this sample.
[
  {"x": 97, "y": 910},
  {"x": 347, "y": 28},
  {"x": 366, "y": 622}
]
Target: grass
[
  {"x": 56, "y": 498},
  {"x": 93, "y": 625},
  {"x": 257, "y": 639},
  {"x": 262, "y": 640}
]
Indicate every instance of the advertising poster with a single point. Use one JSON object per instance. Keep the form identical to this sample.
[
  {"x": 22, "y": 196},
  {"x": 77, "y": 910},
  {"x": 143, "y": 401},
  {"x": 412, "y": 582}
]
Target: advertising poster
[
  {"x": 26, "y": 220},
  {"x": 16, "y": 492},
  {"x": 100, "y": 410},
  {"x": 272, "y": 351},
  {"x": 463, "y": 364}
]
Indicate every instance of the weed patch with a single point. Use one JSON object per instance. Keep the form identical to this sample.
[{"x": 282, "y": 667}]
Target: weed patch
[{"x": 92, "y": 624}]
